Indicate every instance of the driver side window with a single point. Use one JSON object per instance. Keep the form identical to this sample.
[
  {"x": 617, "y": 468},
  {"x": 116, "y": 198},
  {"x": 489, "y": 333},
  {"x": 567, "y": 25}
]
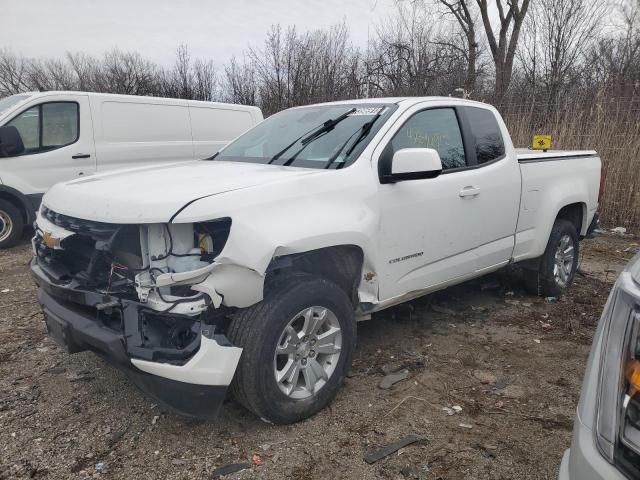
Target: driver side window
[
  {"x": 435, "y": 128},
  {"x": 48, "y": 126}
]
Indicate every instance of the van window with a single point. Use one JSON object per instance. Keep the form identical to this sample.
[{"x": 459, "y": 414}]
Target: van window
[
  {"x": 209, "y": 124},
  {"x": 435, "y": 128},
  {"x": 144, "y": 122},
  {"x": 486, "y": 133},
  {"x": 48, "y": 126}
]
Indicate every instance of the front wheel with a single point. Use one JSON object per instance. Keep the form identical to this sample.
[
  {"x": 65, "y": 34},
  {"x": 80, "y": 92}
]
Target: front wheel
[
  {"x": 558, "y": 264},
  {"x": 11, "y": 224},
  {"x": 297, "y": 346}
]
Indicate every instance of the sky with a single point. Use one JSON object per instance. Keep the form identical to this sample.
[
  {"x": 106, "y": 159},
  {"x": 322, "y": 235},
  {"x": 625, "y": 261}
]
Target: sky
[{"x": 214, "y": 29}]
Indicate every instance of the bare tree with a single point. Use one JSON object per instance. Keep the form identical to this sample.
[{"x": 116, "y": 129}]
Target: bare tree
[
  {"x": 12, "y": 73},
  {"x": 241, "y": 84},
  {"x": 503, "y": 46},
  {"x": 464, "y": 15},
  {"x": 557, "y": 36}
]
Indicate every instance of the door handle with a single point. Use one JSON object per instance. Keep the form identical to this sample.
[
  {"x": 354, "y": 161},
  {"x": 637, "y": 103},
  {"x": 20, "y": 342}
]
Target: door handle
[
  {"x": 80, "y": 155},
  {"x": 470, "y": 191}
]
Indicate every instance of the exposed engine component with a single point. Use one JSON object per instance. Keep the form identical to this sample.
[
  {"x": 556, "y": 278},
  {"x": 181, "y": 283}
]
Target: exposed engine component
[{"x": 156, "y": 264}]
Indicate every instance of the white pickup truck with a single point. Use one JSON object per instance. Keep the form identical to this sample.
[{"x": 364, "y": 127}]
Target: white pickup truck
[{"x": 251, "y": 268}]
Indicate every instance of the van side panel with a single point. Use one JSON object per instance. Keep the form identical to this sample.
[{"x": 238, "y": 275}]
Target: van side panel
[
  {"x": 214, "y": 127},
  {"x": 137, "y": 132}
]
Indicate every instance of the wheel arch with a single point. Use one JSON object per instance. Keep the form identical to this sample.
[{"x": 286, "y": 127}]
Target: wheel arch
[
  {"x": 576, "y": 213},
  {"x": 20, "y": 201},
  {"x": 340, "y": 264}
]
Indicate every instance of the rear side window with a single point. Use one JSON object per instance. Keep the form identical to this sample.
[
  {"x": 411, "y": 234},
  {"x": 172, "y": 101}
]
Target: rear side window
[
  {"x": 436, "y": 128},
  {"x": 48, "y": 126},
  {"x": 486, "y": 133}
]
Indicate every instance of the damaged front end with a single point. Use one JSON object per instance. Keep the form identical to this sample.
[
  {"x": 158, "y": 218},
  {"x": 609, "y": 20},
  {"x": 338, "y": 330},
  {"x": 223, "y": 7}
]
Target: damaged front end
[{"x": 145, "y": 298}]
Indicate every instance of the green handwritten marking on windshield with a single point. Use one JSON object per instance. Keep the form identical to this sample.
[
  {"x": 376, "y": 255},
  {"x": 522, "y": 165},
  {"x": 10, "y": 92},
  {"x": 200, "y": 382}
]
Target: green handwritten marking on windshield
[{"x": 424, "y": 139}]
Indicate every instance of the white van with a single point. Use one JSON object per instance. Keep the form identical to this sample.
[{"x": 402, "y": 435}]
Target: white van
[{"x": 50, "y": 137}]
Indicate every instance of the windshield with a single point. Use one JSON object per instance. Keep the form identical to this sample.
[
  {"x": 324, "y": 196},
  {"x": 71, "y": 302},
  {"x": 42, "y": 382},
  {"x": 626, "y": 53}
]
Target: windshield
[
  {"x": 8, "y": 102},
  {"x": 321, "y": 136}
]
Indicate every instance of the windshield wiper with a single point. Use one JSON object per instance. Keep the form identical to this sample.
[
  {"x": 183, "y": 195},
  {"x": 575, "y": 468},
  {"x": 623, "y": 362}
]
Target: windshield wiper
[
  {"x": 306, "y": 138},
  {"x": 364, "y": 131}
]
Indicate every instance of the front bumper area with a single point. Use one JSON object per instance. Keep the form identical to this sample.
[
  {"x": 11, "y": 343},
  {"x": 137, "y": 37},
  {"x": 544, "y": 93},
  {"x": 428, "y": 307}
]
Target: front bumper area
[
  {"x": 191, "y": 380},
  {"x": 583, "y": 461}
]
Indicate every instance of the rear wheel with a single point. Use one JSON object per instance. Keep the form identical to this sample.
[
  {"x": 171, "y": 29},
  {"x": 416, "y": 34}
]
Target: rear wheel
[
  {"x": 558, "y": 264},
  {"x": 297, "y": 347},
  {"x": 11, "y": 224}
]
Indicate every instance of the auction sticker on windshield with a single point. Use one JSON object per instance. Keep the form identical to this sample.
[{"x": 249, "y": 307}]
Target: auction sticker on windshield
[{"x": 368, "y": 111}]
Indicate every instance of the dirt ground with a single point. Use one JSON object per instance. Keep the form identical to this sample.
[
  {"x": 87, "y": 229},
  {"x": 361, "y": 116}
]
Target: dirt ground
[{"x": 512, "y": 362}]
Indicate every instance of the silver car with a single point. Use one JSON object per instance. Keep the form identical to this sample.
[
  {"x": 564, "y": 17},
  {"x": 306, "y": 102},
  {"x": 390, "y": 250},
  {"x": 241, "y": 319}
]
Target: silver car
[{"x": 606, "y": 432}]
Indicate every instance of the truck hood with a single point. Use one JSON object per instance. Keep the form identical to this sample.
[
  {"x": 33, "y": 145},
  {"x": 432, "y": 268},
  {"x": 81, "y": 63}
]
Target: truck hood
[{"x": 155, "y": 194}]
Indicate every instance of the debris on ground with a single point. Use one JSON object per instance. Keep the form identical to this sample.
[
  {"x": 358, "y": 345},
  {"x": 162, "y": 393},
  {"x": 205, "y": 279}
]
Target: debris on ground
[
  {"x": 229, "y": 469},
  {"x": 465, "y": 425},
  {"x": 444, "y": 310},
  {"x": 619, "y": 230},
  {"x": 551, "y": 299},
  {"x": 256, "y": 459},
  {"x": 392, "y": 448},
  {"x": 393, "y": 378},
  {"x": 492, "y": 285},
  {"x": 484, "y": 377},
  {"x": 452, "y": 410}
]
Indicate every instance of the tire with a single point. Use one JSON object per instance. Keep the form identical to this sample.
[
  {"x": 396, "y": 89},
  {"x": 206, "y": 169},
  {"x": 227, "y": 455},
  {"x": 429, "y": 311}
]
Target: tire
[
  {"x": 555, "y": 274},
  {"x": 260, "y": 329},
  {"x": 11, "y": 224}
]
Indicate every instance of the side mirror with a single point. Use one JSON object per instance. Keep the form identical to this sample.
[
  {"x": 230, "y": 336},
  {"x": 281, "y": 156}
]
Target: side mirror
[
  {"x": 10, "y": 141},
  {"x": 414, "y": 164}
]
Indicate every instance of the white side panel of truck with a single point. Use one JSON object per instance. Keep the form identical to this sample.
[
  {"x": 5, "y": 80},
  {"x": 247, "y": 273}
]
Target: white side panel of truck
[{"x": 551, "y": 181}]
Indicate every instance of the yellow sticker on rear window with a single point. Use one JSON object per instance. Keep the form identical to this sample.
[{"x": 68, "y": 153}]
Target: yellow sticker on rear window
[{"x": 541, "y": 142}]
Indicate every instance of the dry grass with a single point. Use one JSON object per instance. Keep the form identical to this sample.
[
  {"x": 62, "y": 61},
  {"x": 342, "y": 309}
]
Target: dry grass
[{"x": 609, "y": 125}]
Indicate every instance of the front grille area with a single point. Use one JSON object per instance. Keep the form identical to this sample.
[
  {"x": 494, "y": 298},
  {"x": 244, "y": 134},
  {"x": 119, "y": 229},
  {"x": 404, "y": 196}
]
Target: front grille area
[
  {"x": 78, "y": 225},
  {"x": 84, "y": 258}
]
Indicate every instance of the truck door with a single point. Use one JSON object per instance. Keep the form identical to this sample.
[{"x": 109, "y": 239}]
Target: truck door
[
  {"x": 58, "y": 138},
  {"x": 449, "y": 227}
]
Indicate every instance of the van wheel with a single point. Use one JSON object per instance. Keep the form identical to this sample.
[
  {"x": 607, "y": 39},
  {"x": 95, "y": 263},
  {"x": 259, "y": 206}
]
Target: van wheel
[
  {"x": 558, "y": 264},
  {"x": 11, "y": 224},
  {"x": 297, "y": 347}
]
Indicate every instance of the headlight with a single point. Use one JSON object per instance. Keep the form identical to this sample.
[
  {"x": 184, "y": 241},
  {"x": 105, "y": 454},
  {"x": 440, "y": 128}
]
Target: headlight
[{"x": 618, "y": 410}]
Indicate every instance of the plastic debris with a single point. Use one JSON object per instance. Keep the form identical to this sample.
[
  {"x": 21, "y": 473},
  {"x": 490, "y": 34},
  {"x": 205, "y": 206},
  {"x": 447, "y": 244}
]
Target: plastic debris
[
  {"x": 546, "y": 326},
  {"x": 393, "y": 378},
  {"x": 620, "y": 230},
  {"x": 229, "y": 469},
  {"x": 99, "y": 466},
  {"x": 537, "y": 340},
  {"x": 452, "y": 410},
  {"x": 256, "y": 459},
  {"x": 5, "y": 290},
  {"x": 499, "y": 404},
  {"x": 392, "y": 448},
  {"x": 551, "y": 299},
  {"x": 465, "y": 425},
  {"x": 155, "y": 419}
]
